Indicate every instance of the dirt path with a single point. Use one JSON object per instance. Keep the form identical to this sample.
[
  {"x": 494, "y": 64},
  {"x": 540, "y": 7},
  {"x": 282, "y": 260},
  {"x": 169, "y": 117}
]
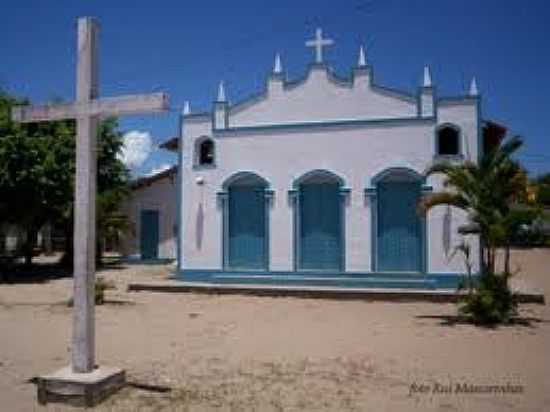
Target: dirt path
[{"x": 248, "y": 353}]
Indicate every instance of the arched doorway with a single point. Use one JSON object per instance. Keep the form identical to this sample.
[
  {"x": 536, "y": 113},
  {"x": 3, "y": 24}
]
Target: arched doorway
[
  {"x": 246, "y": 243},
  {"x": 319, "y": 219},
  {"x": 399, "y": 226}
]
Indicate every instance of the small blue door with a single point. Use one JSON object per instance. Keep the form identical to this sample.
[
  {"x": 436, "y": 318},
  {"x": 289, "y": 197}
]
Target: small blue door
[
  {"x": 149, "y": 236},
  {"x": 399, "y": 229},
  {"x": 247, "y": 228},
  {"x": 320, "y": 230}
]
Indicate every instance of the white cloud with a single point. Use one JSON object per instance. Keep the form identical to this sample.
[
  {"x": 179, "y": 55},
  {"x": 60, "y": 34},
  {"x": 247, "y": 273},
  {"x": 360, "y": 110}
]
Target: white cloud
[
  {"x": 136, "y": 149},
  {"x": 158, "y": 169}
]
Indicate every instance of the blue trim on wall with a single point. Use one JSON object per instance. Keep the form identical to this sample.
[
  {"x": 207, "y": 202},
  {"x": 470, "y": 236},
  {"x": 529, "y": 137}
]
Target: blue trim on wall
[
  {"x": 243, "y": 174},
  {"x": 371, "y": 194},
  {"x": 321, "y": 173},
  {"x": 395, "y": 122},
  {"x": 464, "y": 99},
  {"x": 197, "y": 116},
  {"x": 179, "y": 201},
  {"x": 413, "y": 174},
  {"x": 480, "y": 154}
]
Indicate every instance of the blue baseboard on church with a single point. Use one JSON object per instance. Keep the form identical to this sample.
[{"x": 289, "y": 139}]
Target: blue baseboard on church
[{"x": 430, "y": 281}]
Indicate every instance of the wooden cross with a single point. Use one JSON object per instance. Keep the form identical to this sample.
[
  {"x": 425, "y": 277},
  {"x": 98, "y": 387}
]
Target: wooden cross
[
  {"x": 319, "y": 43},
  {"x": 87, "y": 110}
]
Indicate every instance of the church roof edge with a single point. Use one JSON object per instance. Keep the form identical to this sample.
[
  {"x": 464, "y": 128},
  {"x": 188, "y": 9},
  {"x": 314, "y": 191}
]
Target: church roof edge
[{"x": 397, "y": 121}]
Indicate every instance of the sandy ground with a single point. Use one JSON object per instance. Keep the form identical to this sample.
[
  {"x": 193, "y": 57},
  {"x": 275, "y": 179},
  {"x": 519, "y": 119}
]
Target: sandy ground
[{"x": 236, "y": 353}]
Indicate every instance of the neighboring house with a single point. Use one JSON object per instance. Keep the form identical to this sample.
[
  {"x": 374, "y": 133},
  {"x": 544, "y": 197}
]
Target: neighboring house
[
  {"x": 151, "y": 209},
  {"x": 316, "y": 181},
  {"x": 11, "y": 239}
]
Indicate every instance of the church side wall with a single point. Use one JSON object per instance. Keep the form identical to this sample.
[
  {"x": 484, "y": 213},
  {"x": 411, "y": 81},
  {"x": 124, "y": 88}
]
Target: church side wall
[
  {"x": 444, "y": 221},
  {"x": 161, "y": 196}
]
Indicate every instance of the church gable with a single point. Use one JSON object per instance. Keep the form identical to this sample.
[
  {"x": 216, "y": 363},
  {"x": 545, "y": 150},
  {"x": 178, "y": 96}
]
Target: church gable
[{"x": 321, "y": 96}]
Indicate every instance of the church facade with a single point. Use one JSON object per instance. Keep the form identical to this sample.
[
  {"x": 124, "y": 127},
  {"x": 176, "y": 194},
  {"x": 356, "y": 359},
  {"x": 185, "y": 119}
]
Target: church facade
[{"x": 317, "y": 181}]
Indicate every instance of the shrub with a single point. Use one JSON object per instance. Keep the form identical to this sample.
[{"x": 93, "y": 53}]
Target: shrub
[
  {"x": 492, "y": 301},
  {"x": 101, "y": 285}
]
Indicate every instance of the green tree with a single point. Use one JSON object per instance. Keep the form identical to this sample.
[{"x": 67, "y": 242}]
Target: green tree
[
  {"x": 37, "y": 165},
  {"x": 112, "y": 185},
  {"x": 543, "y": 189},
  {"x": 34, "y": 180},
  {"x": 489, "y": 193}
]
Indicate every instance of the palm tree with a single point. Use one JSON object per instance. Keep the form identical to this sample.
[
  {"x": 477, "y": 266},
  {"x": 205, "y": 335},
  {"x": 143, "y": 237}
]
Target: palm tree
[{"x": 486, "y": 192}]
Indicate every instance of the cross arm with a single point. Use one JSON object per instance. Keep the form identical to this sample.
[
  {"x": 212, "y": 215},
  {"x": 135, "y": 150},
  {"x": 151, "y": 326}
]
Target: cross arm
[
  {"x": 113, "y": 106},
  {"x": 132, "y": 104}
]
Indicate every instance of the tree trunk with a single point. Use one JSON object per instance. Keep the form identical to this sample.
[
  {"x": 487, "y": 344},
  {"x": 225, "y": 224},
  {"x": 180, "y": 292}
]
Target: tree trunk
[
  {"x": 485, "y": 255},
  {"x": 98, "y": 249},
  {"x": 507, "y": 260},
  {"x": 68, "y": 254},
  {"x": 492, "y": 268},
  {"x": 28, "y": 248}
]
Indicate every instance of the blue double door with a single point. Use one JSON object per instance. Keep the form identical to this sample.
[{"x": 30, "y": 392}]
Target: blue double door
[
  {"x": 247, "y": 228},
  {"x": 399, "y": 227},
  {"x": 319, "y": 242},
  {"x": 320, "y": 235}
]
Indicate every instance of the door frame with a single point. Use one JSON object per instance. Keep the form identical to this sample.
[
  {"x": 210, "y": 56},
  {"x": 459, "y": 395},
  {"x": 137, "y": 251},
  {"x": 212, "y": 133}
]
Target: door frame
[
  {"x": 294, "y": 198},
  {"x": 223, "y": 199}
]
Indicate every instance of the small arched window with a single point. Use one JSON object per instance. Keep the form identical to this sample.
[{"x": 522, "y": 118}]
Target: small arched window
[
  {"x": 205, "y": 152},
  {"x": 448, "y": 141}
]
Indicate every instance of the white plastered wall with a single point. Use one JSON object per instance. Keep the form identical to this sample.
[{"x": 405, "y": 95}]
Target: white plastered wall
[
  {"x": 355, "y": 153},
  {"x": 159, "y": 195}
]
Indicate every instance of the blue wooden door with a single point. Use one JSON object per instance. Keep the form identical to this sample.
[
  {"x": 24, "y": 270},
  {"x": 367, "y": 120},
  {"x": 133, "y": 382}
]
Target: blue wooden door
[
  {"x": 149, "y": 235},
  {"x": 399, "y": 240},
  {"x": 320, "y": 230},
  {"x": 247, "y": 228}
]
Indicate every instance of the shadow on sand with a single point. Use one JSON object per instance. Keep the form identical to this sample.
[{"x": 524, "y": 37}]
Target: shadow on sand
[
  {"x": 18, "y": 273},
  {"x": 454, "y": 320}
]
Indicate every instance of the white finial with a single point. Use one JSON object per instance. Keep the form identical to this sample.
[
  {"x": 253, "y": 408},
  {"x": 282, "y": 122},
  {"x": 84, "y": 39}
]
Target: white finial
[
  {"x": 362, "y": 61},
  {"x": 318, "y": 43},
  {"x": 278, "y": 67},
  {"x": 186, "y": 108},
  {"x": 427, "y": 77},
  {"x": 473, "y": 87},
  {"x": 221, "y": 92}
]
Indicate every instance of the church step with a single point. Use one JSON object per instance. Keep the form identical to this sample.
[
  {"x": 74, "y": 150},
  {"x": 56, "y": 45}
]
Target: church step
[
  {"x": 406, "y": 280},
  {"x": 341, "y": 281}
]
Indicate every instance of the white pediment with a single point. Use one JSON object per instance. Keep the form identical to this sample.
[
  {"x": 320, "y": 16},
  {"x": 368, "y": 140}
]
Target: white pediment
[{"x": 322, "y": 96}]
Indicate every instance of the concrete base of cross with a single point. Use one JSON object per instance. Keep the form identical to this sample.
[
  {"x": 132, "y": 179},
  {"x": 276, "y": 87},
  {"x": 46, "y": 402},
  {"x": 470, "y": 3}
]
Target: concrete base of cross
[{"x": 80, "y": 389}]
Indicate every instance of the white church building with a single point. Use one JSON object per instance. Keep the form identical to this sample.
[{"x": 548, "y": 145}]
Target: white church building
[{"x": 316, "y": 181}]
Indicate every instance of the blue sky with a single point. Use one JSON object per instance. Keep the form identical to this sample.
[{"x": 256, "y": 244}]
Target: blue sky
[{"x": 185, "y": 48}]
